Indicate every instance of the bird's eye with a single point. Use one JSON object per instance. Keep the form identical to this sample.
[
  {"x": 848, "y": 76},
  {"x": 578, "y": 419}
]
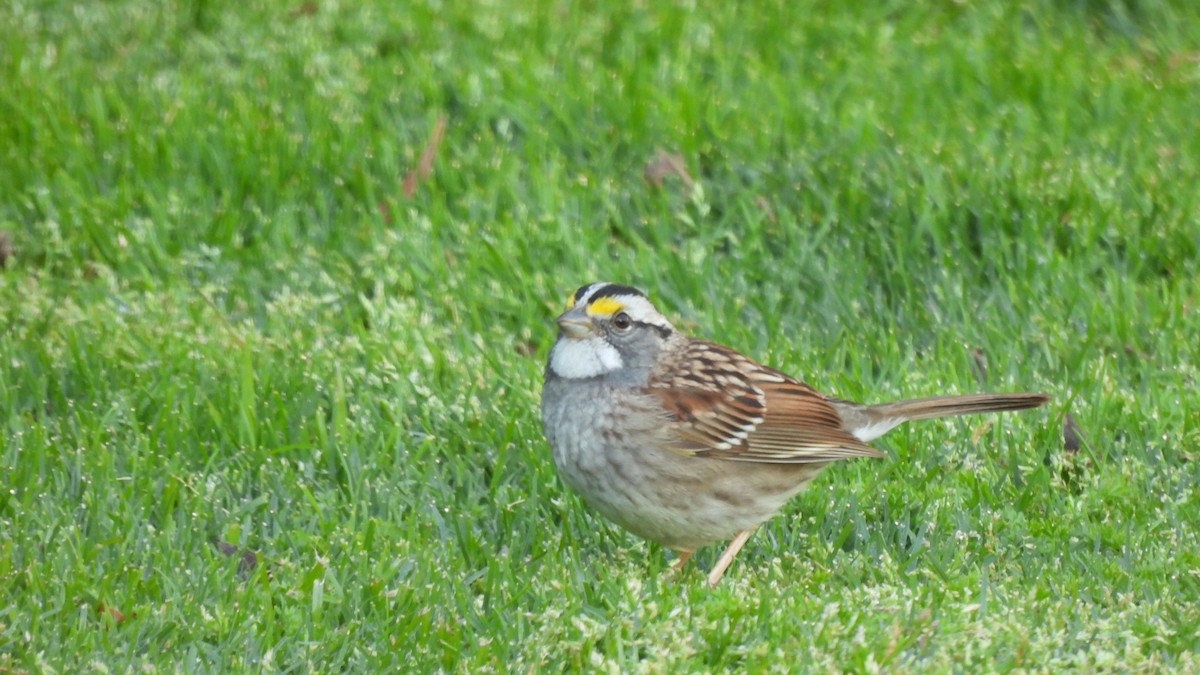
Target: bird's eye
[{"x": 622, "y": 321}]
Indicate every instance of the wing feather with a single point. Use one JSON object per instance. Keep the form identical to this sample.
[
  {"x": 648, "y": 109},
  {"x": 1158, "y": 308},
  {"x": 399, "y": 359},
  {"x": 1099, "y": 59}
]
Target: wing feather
[{"x": 723, "y": 404}]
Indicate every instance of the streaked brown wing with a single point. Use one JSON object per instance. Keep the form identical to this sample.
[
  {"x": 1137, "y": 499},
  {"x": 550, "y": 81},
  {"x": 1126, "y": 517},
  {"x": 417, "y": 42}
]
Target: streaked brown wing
[
  {"x": 726, "y": 405},
  {"x": 801, "y": 426}
]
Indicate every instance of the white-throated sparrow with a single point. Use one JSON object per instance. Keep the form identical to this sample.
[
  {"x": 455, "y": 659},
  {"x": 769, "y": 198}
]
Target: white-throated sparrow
[{"x": 685, "y": 442}]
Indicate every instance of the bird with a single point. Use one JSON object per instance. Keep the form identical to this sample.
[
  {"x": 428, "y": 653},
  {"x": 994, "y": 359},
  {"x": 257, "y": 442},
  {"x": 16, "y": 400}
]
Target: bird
[{"x": 686, "y": 442}]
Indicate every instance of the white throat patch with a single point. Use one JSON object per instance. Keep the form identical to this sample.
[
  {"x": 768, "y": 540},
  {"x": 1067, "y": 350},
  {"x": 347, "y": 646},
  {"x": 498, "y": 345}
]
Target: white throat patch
[{"x": 580, "y": 359}]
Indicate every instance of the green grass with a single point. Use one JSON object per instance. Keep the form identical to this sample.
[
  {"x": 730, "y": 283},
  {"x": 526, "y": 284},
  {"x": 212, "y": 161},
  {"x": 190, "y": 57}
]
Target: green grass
[{"x": 223, "y": 322}]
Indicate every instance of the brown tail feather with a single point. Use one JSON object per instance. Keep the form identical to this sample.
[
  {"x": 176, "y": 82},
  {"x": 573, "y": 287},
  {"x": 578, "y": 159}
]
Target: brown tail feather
[
  {"x": 871, "y": 421},
  {"x": 945, "y": 406}
]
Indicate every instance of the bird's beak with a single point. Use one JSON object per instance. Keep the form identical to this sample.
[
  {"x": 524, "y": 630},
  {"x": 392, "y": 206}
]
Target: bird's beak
[{"x": 575, "y": 323}]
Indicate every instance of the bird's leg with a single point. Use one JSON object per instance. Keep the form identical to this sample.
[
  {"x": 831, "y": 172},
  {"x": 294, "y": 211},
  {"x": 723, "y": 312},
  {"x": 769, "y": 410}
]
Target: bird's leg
[
  {"x": 727, "y": 557},
  {"x": 677, "y": 566}
]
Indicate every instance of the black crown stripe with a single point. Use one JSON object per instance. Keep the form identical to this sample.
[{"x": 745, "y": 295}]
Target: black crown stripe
[{"x": 610, "y": 290}]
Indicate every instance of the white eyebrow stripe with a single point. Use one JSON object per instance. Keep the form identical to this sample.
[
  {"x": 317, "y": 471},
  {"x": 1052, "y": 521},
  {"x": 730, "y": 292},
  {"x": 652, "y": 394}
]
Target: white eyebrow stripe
[{"x": 639, "y": 309}]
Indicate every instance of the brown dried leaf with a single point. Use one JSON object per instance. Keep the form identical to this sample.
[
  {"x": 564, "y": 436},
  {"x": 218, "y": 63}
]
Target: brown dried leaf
[
  {"x": 248, "y": 559},
  {"x": 385, "y": 211},
  {"x": 304, "y": 9},
  {"x": 1072, "y": 435},
  {"x": 1183, "y": 58},
  {"x": 428, "y": 154},
  {"x": 979, "y": 358},
  {"x": 117, "y": 615},
  {"x": 765, "y": 206},
  {"x": 982, "y": 429},
  {"x": 664, "y": 164},
  {"x": 1134, "y": 351}
]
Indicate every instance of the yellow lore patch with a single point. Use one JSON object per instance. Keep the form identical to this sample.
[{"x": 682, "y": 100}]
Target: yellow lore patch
[{"x": 605, "y": 306}]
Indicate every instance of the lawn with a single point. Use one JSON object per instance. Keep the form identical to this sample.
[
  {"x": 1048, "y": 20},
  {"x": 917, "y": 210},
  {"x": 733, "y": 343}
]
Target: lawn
[{"x": 278, "y": 289}]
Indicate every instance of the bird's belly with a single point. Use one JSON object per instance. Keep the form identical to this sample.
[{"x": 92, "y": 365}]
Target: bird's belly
[{"x": 678, "y": 501}]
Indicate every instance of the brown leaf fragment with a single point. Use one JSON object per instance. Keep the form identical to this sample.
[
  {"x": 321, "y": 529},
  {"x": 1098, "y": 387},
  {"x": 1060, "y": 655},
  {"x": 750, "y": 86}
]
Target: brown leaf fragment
[
  {"x": 1180, "y": 59},
  {"x": 665, "y": 164},
  {"x": 304, "y": 9},
  {"x": 6, "y": 248},
  {"x": 765, "y": 206},
  {"x": 1072, "y": 436},
  {"x": 428, "y": 154},
  {"x": 1134, "y": 351},
  {"x": 980, "y": 360},
  {"x": 385, "y": 211},
  {"x": 247, "y": 559},
  {"x": 117, "y": 615}
]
